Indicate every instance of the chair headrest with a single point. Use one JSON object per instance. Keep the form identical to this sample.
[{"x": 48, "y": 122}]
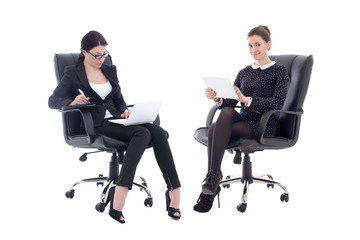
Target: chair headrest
[{"x": 62, "y": 60}]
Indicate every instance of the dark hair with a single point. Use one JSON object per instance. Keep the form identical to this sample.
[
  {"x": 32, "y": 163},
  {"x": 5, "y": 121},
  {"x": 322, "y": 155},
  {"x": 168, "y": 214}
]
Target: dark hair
[
  {"x": 262, "y": 31},
  {"x": 89, "y": 41}
]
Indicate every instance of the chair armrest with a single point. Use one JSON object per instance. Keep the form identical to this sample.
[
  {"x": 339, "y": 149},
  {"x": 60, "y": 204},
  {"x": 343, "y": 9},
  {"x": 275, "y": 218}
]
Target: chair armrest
[
  {"x": 210, "y": 116},
  {"x": 84, "y": 111},
  {"x": 80, "y": 106},
  {"x": 264, "y": 121}
]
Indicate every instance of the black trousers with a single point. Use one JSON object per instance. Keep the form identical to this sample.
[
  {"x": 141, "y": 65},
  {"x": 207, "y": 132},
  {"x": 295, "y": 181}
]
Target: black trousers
[{"x": 139, "y": 137}]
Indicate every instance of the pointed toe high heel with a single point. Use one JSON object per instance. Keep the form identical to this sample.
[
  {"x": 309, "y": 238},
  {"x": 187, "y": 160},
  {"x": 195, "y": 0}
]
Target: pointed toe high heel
[
  {"x": 171, "y": 211},
  {"x": 117, "y": 215}
]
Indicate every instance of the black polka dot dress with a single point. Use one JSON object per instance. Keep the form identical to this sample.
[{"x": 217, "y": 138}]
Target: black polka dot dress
[{"x": 267, "y": 86}]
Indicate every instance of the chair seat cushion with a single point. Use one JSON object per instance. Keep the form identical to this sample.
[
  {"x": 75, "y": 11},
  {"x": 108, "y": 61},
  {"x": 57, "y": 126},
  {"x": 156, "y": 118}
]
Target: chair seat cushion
[
  {"x": 103, "y": 142},
  {"x": 244, "y": 144}
]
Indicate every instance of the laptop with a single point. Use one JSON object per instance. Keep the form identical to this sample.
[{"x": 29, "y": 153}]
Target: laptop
[
  {"x": 222, "y": 86},
  {"x": 141, "y": 113}
]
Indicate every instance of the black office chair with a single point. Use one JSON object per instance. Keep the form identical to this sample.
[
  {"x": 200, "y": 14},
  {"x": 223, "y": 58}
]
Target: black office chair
[
  {"x": 299, "y": 70},
  {"x": 78, "y": 130}
]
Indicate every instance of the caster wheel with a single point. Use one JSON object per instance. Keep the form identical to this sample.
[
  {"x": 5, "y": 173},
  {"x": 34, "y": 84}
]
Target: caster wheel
[
  {"x": 148, "y": 202},
  {"x": 270, "y": 185},
  {"x": 70, "y": 193},
  {"x": 227, "y": 185},
  {"x": 284, "y": 197},
  {"x": 100, "y": 184},
  {"x": 100, "y": 207},
  {"x": 241, "y": 207}
]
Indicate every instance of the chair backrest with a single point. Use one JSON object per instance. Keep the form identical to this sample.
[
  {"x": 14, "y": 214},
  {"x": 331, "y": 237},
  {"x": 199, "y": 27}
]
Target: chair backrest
[
  {"x": 62, "y": 60},
  {"x": 72, "y": 121},
  {"x": 299, "y": 70}
]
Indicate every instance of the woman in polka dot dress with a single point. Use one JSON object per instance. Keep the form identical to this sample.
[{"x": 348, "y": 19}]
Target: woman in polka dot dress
[{"x": 260, "y": 87}]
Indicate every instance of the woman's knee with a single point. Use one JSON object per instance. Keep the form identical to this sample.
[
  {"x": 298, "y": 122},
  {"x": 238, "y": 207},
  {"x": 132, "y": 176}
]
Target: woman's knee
[
  {"x": 157, "y": 132},
  {"x": 143, "y": 133},
  {"x": 226, "y": 115},
  {"x": 226, "y": 112}
]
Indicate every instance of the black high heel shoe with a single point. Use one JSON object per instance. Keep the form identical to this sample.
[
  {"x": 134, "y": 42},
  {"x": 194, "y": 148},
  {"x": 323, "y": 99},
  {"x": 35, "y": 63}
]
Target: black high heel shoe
[
  {"x": 171, "y": 211},
  {"x": 205, "y": 202},
  {"x": 112, "y": 212},
  {"x": 212, "y": 181}
]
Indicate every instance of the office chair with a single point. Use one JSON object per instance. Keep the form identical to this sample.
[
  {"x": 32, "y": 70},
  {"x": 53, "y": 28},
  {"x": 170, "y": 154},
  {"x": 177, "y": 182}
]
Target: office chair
[
  {"x": 299, "y": 70},
  {"x": 78, "y": 130}
]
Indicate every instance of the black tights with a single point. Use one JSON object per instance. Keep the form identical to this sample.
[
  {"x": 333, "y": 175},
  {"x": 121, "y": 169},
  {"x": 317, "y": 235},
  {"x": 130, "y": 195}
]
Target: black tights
[{"x": 228, "y": 126}]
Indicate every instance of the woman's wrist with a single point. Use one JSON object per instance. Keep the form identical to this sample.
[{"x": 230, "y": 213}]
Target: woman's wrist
[
  {"x": 248, "y": 101},
  {"x": 218, "y": 101}
]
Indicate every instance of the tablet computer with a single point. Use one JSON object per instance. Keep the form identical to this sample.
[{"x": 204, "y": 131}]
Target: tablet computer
[{"x": 222, "y": 86}]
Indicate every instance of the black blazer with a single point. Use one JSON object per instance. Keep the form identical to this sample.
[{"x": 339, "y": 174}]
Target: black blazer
[{"x": 75, "y": 78}]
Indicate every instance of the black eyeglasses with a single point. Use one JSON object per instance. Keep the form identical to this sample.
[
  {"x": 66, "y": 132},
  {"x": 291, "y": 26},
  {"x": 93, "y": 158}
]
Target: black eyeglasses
[{"x": 98, "y": 57}]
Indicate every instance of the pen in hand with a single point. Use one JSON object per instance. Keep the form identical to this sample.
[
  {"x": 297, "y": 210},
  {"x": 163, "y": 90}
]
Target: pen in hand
[{"x": 82, "y": 93}]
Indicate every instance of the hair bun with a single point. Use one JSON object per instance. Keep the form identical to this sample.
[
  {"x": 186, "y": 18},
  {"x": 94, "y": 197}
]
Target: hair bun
[
  {"x": 266, "y": 28},
  {"x": 262, "y": 31}
]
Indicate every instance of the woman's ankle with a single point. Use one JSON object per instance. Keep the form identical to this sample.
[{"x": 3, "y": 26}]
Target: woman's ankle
[
  {"x": 120, "y": 197},
  {"x": 175, "y": 198}
]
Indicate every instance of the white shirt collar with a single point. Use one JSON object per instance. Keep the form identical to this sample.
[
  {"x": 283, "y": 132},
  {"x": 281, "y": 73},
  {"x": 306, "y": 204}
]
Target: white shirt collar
[{"x": 263, "y": 67}]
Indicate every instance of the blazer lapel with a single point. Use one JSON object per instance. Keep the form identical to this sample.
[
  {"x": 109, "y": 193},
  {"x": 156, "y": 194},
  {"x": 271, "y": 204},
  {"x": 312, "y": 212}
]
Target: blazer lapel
[
  {"x": 84, "y": 82},
  {"x": 109, "y": 74}
]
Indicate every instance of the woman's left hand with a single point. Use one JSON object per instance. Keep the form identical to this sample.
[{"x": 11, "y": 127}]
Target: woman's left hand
[{"x": 241, "y": 97}]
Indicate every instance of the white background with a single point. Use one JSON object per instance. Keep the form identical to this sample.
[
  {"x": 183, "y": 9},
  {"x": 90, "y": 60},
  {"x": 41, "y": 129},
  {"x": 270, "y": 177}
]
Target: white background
[{"x": 162, "y": 49}]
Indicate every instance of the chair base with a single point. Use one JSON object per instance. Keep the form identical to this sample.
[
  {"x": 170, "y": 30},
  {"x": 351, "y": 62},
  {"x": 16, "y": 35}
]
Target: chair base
[
  {"x": 111, "y": 181},
  {"x": 100, "y": 207},
  {"x": 247, "y": 179}
]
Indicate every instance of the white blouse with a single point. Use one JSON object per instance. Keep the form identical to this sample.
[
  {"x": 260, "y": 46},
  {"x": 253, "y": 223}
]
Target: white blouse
[{"x": 103, "y": 89}]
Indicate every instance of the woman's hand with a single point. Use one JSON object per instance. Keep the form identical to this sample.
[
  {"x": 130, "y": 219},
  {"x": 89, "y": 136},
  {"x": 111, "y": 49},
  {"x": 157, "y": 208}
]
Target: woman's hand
[
  {"x": 126, "y": 114},
  {"x": 241, "y": 97},
  {"x": 211, "y": 94},
  {"x": 80, "y": 99}
]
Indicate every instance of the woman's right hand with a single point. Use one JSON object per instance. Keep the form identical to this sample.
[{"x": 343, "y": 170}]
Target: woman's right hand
[
  {"x": 126, "y": 114},
  {"x": 211, "y": 94},
  {"x": 80, "y": 99}
]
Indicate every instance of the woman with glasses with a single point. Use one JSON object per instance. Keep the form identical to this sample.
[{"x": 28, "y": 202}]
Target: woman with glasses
[{"x": 91, "y": 81}]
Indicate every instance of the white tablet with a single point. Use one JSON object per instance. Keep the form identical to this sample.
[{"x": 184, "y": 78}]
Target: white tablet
[{"x": 222, "y": 86}]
